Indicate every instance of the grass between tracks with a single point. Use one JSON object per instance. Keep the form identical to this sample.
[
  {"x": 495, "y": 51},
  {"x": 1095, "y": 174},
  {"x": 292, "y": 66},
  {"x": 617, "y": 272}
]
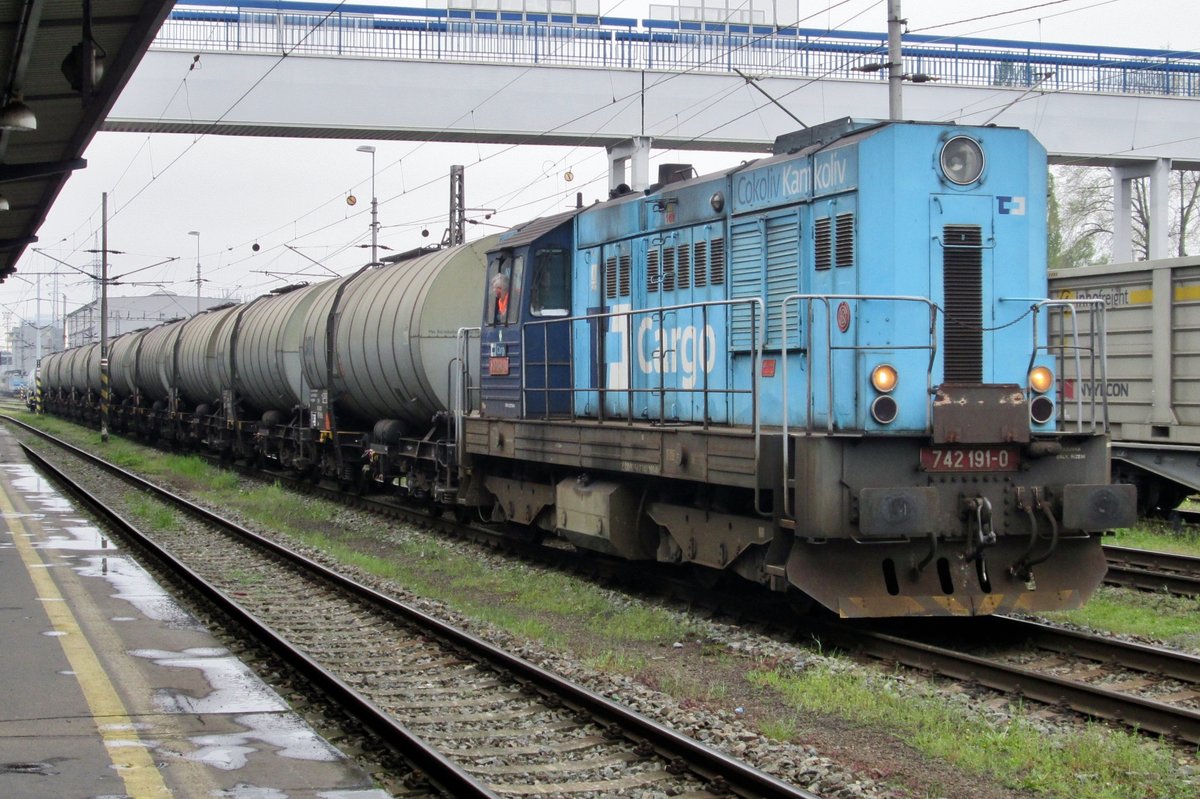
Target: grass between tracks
[
  {"x": 1095, "y": 763},
  {"x": 630, "y": 639},
  {"x": 1159, "y": 534},
  {"x": 1172, "y": 619}
]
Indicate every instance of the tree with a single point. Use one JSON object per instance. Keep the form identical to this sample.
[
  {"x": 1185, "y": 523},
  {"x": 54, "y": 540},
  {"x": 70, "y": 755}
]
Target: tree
[
  {"x": 1080, "y": 220},
  {"x": 1189, "y": 197},
  {"x": 1183, "y": 228},
  {"x": 1081, "y": 216}
]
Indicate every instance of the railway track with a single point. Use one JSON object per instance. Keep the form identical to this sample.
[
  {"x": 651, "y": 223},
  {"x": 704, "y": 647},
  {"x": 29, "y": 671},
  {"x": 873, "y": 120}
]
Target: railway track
[
  {"x": 1153, "y": 571},
  {"x": 1181, "y": 517},
  {"x": 476, "y": 720},
  {"x": 1149, "y": 688}
]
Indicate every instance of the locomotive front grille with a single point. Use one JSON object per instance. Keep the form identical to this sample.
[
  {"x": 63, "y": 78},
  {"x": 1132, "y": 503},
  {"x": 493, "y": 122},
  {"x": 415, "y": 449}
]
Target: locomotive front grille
[{"x": 962, "y": 274}]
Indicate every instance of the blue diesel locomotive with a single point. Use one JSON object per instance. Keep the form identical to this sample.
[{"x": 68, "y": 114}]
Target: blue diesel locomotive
[{"x": 831, "y": 371}]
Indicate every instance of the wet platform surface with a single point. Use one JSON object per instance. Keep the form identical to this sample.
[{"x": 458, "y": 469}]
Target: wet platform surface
[{"x": 108, "y": 688}]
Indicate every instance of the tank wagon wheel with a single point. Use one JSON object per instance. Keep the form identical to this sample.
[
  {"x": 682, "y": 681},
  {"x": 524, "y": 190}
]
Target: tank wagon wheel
[
  {"x": 1157, "y": 498},
  {"x": 1170, "y": 498},
  {"x": 804, "y": 606},
  {"x": 706, "y": 576}
]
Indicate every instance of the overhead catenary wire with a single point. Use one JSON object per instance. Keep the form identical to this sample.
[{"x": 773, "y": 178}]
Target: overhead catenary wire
[
  {"x": 495, "y": 94},
  {"x": 514, "y": 194}
]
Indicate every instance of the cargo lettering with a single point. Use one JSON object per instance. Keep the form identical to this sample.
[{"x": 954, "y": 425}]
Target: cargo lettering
[
  {"x": 675, "y": 350},
  {"x": 801, "y": 179},
  {"x": 1089, "y": 389},
  {"x": 770, "y": 185},
  {"x": 831, "y": 174},
  {"x": 1113, "y": 297}
]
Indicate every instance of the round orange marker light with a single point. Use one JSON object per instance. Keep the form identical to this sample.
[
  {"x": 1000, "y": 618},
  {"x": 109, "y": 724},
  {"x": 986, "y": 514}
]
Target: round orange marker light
[
  {"x": 1041, "y": 379},
  {"x": 884, "y": 378}
]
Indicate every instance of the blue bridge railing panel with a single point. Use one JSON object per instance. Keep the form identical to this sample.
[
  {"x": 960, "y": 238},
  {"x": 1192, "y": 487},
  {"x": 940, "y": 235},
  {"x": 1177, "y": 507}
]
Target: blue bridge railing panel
[{"x": 366, "y": 31}]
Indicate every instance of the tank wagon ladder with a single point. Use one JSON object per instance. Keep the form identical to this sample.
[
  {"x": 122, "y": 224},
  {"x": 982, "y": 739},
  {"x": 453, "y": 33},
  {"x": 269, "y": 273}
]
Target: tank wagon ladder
[
  {"x": 464, "y": 394},
  {"x": 329, "y": 423},
  {"x": 231, "y": 397}
]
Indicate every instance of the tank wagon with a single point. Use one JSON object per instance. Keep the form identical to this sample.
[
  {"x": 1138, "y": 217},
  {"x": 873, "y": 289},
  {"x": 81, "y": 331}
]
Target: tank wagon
[
  {"x": 1153, "y": 384},
  {"x": 829, "y": 371}
]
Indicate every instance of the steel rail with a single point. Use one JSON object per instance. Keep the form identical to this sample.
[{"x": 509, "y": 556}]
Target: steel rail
[
  {"x": 1130, "y": 654},
  {"x": 1153, "y": 571},
  {"x": 440, "y": 770},
  {"x": 1145, "y": 714},
  {"x": 1184, "y": 516},
  {"x": 709, "y": 763}
]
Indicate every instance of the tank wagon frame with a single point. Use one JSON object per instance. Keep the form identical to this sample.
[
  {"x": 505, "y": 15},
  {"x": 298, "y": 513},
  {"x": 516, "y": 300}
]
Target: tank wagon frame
[{"x": 833, "y": 371}]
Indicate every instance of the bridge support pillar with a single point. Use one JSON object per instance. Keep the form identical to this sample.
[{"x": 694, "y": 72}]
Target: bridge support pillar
[
  {"x": 634, "y": 155},
  {"x": 1123, "y": 176}
]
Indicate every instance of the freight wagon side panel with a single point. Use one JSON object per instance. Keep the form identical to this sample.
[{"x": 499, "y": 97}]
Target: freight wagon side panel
[{"x": 1153, "y": 318}]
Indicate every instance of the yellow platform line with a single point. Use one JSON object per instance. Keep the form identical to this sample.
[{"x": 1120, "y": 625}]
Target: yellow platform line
[{"x": 126, "y": 750}]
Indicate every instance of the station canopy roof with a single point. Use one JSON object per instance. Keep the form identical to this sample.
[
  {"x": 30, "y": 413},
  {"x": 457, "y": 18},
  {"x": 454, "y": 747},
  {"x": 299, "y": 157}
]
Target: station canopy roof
[{"x": 51, "y": 105}]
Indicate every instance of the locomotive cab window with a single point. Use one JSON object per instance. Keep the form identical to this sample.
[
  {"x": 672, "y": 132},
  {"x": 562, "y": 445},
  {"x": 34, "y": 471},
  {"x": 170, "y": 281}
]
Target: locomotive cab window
[
  {"x": 504, "y": 289},
  {"x": 550, "y": 291}
]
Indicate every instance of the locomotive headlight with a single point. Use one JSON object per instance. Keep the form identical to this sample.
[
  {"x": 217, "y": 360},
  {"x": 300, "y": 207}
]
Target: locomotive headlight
[
  {"x": 1041, "y": 410},
  {"x": 884, "y": 409},
  {"x": 883, "y": 378},
  {"x": 962, "y": 160},
  {"x": 1041, "y": 379}
]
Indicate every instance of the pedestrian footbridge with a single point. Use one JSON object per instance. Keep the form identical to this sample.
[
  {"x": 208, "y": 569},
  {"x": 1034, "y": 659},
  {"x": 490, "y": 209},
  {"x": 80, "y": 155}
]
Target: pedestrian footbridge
[{"x": 280, "y": 68}]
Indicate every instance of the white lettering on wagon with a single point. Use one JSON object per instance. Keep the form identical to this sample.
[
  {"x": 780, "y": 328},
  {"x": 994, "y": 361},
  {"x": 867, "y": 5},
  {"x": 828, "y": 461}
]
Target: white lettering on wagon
[{"x": 675, "y": 350}]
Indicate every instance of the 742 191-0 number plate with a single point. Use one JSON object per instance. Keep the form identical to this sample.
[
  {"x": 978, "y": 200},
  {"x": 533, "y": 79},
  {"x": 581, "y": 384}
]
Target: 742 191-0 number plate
[{"x": 970, "y": 459}]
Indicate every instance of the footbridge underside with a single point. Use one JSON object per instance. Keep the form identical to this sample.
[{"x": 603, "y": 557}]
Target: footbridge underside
[{"x": 335, "y": 97}]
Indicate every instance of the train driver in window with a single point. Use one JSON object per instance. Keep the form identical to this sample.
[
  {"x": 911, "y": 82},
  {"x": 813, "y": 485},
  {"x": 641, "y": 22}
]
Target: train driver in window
[{"x": 500, "y": 293}]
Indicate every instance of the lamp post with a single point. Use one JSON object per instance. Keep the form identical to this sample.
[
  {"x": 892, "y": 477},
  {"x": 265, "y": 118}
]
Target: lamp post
[
  {"x": 368, "y": 148},
  {"x": 196, "y": 233}
]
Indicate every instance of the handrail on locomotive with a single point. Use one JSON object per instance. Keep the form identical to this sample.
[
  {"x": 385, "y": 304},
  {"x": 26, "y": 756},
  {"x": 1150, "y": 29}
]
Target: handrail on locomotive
[
  {"x": 1088, "y": 358},
  {"x": 1070, "y": 353},
  {"x": 660, "y": 356}
]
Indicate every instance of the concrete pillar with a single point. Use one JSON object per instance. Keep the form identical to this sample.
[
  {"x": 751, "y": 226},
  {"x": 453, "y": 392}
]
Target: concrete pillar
[
  {"x": 1122, "y": 243},
  {"x": 1159, "y": 172},
  {"x": 1160, "y": 240},
  {"x": 634, "y": 154}
]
